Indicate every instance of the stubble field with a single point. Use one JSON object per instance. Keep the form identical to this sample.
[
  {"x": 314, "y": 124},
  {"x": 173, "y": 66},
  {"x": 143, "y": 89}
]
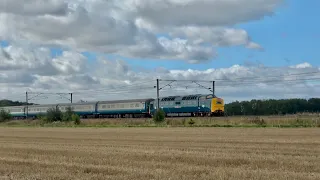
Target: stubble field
[{"x": 159, "y": 153}]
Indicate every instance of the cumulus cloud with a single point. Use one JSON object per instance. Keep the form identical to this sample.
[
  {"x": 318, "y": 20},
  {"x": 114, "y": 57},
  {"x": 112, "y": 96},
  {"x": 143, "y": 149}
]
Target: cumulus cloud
[
  {"x": 107, "y": 79},
  {"x": 302, "y": 65},
  {"x": 34, "y": 7},
  {"x": 176, "y": 48},
  {"x": 39, "y": 61},
  {"x": 122, "y": 27},
  {"x": 203, "y": 13},
  {"x": 216, "y": 36}
]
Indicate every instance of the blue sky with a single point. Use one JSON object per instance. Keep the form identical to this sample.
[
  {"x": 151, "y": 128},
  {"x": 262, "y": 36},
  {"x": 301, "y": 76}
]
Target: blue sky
[{"x": 289, "y": 37}]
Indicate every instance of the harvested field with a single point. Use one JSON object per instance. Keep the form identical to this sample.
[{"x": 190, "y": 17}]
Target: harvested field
[
  {"x": 298, "y": 120},
  {"x": 159, "y": 153}
]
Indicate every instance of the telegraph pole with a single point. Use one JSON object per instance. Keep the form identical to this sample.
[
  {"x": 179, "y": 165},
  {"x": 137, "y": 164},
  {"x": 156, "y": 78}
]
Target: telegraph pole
[
  {"x": 71, "y": 98},
  {"x": 27, "y": 104},
  {"x": 158, "y": 101},
  {"x": 213, "y": 88}
]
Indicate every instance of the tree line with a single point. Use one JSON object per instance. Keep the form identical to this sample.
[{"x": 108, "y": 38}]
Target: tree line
[
  {"x": 273, "y": 107},
  {"x": 6, "y": 102}
]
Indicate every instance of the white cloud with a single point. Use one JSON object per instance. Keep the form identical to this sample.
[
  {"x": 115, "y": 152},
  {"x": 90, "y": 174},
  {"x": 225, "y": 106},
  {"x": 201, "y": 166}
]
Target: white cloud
[
  {"x": 216, "y": 36},
  {"x": 122, "y": 27},
  {"x": 166, "y": 48},
  {"x": 34, "y": 7},
  {"x": 106, "y": 79},
  {"x": 202, "y": 13},
  {"x": 39, "y": 61},
  {"x": 302, "y": 65},
  {"x": 253, "y": 45}
]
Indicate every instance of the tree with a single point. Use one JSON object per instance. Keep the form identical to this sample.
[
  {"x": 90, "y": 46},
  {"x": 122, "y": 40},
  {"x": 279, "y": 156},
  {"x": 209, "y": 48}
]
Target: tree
[
  {"x": 5, "y": 115},
  {"x": 6, "y": 102},
  {"x": 54, "y": 114},
  {"x": 76, "y": 119},
  {"x": 273, "y": 107},
  {"x": 67, "y": 116}
]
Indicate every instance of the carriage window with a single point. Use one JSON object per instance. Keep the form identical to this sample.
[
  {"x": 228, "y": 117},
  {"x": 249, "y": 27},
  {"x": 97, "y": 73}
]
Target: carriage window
[
  {"x": 178, "y": 103},
  {"x": 104, "y": 106}
]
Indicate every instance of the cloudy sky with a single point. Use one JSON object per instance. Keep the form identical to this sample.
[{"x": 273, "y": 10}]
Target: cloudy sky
[{"x": 111, "y": 49}]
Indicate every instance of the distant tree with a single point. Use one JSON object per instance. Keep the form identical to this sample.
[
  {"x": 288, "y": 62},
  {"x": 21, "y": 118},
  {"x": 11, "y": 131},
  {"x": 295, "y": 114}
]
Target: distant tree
[
  {"x": 6, "y": 102},
  {"x": 273, "y": 107},
  {"x": 5, "y": 115}
]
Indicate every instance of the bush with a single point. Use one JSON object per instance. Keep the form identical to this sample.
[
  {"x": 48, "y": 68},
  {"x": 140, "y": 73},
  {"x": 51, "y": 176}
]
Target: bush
[
  {"x": 169, "y": 122},
  {"x": 76, "y": 119},
  {"x": 5, "y": 115},
  {"x": 191, "y": 122},
  {"x": 42, "y": 118},
  {"x": 67, "y": 116},
  {"x": 54, "y": 114},
  {"x": 258, "y": 121},
  {"x": 159, "y": 116}
]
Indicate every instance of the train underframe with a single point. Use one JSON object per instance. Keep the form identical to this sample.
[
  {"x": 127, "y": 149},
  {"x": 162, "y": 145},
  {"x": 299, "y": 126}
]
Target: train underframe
[
  {"x": 99, "y": 116},
  {"x": 196, "y": 114}
]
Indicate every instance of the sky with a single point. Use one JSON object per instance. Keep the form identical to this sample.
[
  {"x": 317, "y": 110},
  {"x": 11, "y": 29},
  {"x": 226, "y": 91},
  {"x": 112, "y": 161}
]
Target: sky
[{"x": 103, "y": 50}]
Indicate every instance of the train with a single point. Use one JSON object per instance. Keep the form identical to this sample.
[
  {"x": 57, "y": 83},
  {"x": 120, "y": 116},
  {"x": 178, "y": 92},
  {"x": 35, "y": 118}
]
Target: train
[{"x": 173, "y": 106}]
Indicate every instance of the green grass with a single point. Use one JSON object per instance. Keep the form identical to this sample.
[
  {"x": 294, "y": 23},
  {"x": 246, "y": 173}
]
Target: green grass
[{"x": 290, "y": 121}]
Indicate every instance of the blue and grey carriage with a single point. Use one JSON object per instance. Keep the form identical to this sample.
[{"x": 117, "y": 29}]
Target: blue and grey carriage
[{"x": 119, "y": 108}]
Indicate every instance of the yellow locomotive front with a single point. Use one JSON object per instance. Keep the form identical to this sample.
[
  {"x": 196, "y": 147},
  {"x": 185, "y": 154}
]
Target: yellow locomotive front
[{"x": 217, "y": 107}]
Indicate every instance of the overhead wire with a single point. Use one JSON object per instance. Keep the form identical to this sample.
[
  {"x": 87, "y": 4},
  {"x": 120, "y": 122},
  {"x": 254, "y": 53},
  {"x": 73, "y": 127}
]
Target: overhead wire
[{"x": 222, "y": 82}]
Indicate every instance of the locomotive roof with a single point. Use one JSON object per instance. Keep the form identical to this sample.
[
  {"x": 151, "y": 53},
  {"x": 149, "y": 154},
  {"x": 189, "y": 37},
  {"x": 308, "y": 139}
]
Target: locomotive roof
[{"x": 186, "y": 97}]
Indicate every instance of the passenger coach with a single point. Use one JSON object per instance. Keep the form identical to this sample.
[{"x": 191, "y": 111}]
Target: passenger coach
[{"x": 124, "y": 108}]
